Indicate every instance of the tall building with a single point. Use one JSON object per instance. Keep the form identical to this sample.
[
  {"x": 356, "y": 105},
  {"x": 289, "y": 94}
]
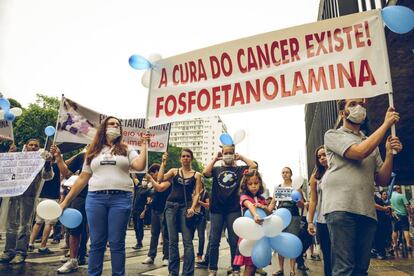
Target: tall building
[
  {"x": 319, "y": 117},
  {"x": 201, "y": 135}
]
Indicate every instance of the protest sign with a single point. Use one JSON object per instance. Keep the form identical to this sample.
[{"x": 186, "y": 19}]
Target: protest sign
[
  {"x": 78, "y": 124},
  {"x": 283, "y": 193},
  {"x": 17, "y": 171},
  {"x": 6, "y": 130},
  {"x": 344, "y": 57}
]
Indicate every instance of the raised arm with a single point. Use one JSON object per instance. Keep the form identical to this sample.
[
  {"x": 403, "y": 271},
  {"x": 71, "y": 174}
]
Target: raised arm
[
  {"x": 159, "y": 187},
  {"x": 209, "y": 168},
  {"x": 250, "y": 163}
]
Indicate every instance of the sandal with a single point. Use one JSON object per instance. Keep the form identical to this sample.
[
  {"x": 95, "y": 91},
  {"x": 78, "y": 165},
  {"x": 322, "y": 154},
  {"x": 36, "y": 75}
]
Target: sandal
[
  {"x": 279, "y": 273},
  {"x": 292, "y": 273}
]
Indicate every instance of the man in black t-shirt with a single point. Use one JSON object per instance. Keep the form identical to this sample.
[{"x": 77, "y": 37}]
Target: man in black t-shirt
[{"x": 225, "y": 201}]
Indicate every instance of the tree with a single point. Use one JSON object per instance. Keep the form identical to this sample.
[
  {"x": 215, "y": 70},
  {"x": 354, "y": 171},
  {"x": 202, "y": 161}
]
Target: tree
[{"x": 35, "y": 118}]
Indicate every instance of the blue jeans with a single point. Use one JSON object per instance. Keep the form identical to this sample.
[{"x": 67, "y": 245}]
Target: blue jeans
[
  {"x": 217, "y": 224},
  {"x": 108, "y": 216},
  {"x": 175, "y": 218},
  {"x": 158, "y": 226},
  {"x": 351, "y": 238}
]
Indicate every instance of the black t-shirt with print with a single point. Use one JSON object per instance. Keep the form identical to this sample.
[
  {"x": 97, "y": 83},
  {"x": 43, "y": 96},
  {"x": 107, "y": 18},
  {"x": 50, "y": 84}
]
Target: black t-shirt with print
[
  {"x": 76, "y": 165},
  {"x": 51, "y": 188},
  {"x": 225, "y": 196}
]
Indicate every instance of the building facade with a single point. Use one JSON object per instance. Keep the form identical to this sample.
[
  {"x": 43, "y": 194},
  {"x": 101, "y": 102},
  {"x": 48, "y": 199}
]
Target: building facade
[
  {"x": 201, "y": 135},
  {"x": 319, "y": 117}
]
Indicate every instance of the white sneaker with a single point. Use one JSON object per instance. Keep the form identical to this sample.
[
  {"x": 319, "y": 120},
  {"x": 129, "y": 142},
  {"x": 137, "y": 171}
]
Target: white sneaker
[
  {"x": 212, "y": 273},
  {"x": 148, "y": 260},
  {"x": 64, "y": 259},
  {"x": 70, "y": 266},
  {"x": 165, "y": 262}
]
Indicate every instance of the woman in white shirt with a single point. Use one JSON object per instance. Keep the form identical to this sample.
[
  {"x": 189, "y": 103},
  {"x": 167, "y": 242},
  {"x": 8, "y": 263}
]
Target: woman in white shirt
[{"x": 109, "y": 201}]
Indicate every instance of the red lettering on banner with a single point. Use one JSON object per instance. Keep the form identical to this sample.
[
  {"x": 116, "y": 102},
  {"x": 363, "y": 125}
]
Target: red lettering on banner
[
  {"x": 337, "y": 37},
  {"x": 275, "y": 45},
  {"x": 163, "y": 81},
  {"x": 285, "y": 93},
  {"x": 240, "y": 54},
  {"x": 225, "y": 58},
  {"x": 298, "y": 83},
  {"x": 273, "y": 81},
  {"x": 283, "y": 51},
  {"x": 191, "y": 100},
  {"x": 358, "y": 35},
  {"x": 207, "y": 96},
  {"x": 181, "y": 103},
  {"x": 365, "y": 68},
  {"x": 168, "y": 100},
  {"x": 350, "y": 76},
  {"x": 320, "y": 41},
  {"x": 332, "y": 76},
  {"x": 237, "y": 94},
  {"x": 263, "y": 56},
  {"x": 251, "y": 61},
  {"x": 312, "y": 80},
  {"x": 159, "y": 107},
  {"x": 347, "y": 31},
  {"x": 250, "y": 90},
  {"x": 216, "y": 97},
  {"x": 175, "y": 72},
  {"x": 215, "y": 67},
  {"x": 226, "y": 89},
  {"x": 201, "y": 70}
]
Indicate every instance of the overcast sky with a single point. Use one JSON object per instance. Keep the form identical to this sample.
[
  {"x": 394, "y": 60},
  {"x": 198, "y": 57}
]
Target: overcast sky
[{"x": 81, "y": 48}]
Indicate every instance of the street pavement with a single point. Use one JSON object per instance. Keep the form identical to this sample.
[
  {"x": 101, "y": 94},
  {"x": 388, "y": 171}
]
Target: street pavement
[{"x": 37, "y": 264}]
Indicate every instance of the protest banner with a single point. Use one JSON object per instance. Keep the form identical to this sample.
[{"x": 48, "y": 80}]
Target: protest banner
[
  {"x": 283, "y": 193},
  {"x": 340, "y": 58},
  {"x": 78, "y": 124},
  {"x": 17, "y": 171},
  {"x": 6, "y": 130}
]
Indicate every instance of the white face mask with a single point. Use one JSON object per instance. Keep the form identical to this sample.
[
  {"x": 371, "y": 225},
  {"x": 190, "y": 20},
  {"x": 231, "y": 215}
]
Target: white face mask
[
  {"x": 357, "y": 114},
  {"x": 228, "y": 159},
  {"x": 112, "y": 133}
]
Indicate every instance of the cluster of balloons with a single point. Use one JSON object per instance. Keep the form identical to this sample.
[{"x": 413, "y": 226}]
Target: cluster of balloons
[
  {"x": 7, "y": 113},
  {"x": 238, "y": 137},
  {"x": 398, "y": 19},
  {"x": 141, "y": 63},
  {"x": 50, "y": 209},
  {"x": 258, "y": 241}
]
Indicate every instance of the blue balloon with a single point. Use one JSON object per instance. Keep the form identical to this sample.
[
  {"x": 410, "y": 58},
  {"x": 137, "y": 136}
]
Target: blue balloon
[
  {"x": 296, "y": 196},
  {"x": 226, "y": 139},
  {"x": 8, "y": 116},
  {"x": 138, "y": 62},
  {"x": 259, "y": 211},
  {"x": 398, "y": 19},
  {"x": 4, "y": 104},
  {"x": 71, "y": 218},
  {"x": 262, "y": 253},
  {"x": 285, "y": 215},
  {"x": 287, "y": 245},
  {"x": 49, "y": 130}
]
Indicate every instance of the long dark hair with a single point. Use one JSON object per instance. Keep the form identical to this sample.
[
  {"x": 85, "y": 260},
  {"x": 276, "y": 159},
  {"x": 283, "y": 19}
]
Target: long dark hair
[
  {"x": 99, "y": 141},
  {"x": 247, "y": 174},
  {"x": 319, "y": 169}
]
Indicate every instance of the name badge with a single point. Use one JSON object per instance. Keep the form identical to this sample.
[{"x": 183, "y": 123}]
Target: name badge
[{"x": 108, "y": 162}]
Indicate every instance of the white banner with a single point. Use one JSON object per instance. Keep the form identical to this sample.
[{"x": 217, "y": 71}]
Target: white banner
[
  {"x": 344, "y": 57},
  {"x": 17, "y": 171},
  {"x": 6, "y": 130},
  {"x": 78, "y": 124}
]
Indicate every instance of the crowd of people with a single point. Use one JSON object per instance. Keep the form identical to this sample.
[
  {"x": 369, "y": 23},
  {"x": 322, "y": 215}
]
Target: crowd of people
[{"x": 351, "y": 221}]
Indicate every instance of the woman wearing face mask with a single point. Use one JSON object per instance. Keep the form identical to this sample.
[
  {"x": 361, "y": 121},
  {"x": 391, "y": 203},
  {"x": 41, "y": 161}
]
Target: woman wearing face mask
[
  {"x": 180, "y": 204},
  {"x": 225, "y": 201},
  {"x": 109, "y": 200},
  {"x": 294, "y": 226}
]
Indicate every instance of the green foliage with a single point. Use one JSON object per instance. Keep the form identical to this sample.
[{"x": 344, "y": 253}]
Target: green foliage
[
  {"x": 5, "y": 145},
  {"x": 35, "y": 118}
]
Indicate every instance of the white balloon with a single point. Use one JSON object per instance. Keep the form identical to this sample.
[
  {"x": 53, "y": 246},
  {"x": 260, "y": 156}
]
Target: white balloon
[
  {"x": 246, "y": 246},
  {"x": 246, "y": 228},
  {"x": 17, "y": 111},
  {"x": 48, "y": 209},
  {"x": 297, "y": 182},
  {"x": 1, "y": 114},
  {"x": 154, "y": 57},
  {"x": 239, "y": 136},
  {"x": 146, "y": 78},
  {"x": 273, "y": 226}
]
